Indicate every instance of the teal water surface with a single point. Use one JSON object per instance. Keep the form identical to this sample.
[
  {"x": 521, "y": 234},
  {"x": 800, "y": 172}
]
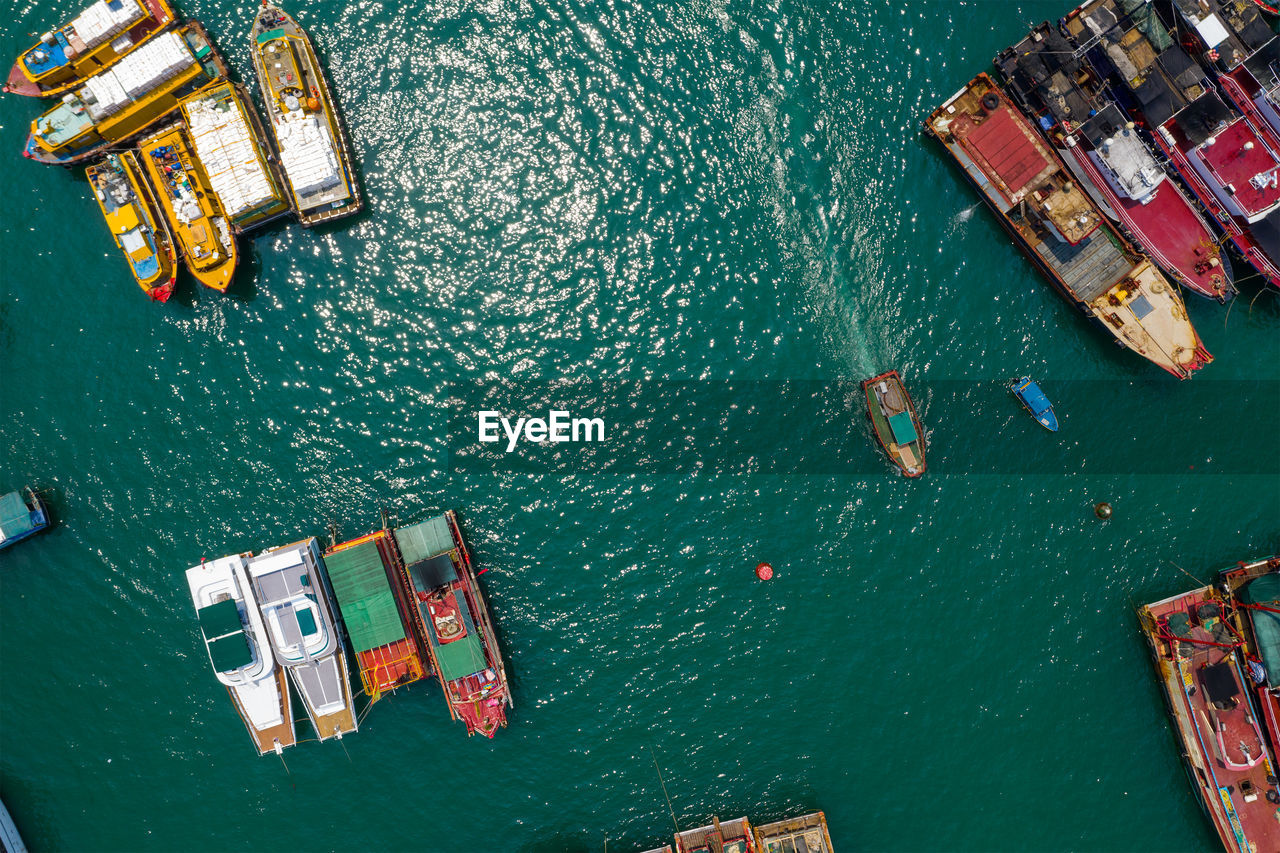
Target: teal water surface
[{"x": 619, "y": 190}]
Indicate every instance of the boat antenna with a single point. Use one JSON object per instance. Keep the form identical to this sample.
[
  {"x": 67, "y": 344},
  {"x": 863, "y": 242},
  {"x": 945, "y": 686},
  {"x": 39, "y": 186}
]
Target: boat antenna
[{"x": 664, "y": 790}]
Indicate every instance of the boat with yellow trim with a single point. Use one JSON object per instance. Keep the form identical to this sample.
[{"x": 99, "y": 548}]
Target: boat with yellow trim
[
  {"x": 135, "y": 222},
  {"x": 313, "y": 148},
  {"x": 229, "y": 144},
  {"x": 195, "y": 215},
  {"x": 124, "y": 100},
  {"x": 97, "y": 37}
]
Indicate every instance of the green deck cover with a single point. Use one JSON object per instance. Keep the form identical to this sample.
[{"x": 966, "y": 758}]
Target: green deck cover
[
  {"x": 15, "y": 516},
  {"x": 426, "y": 539},
  {"x": 269, "y": 35},
  {"x": 230, "y": 652},
  {"x": 1266, "y": 626},
  {"x": 224, "y": 634},
  {"x": 904, "y": 430},
  {"x": 365, "y": 597},
  {"x": 220, "y": 619},
  {"x": 461, "y": 657}
]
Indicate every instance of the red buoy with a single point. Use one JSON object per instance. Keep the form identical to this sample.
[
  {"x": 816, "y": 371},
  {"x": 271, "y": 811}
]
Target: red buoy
[{"x": 764, "y": 571}]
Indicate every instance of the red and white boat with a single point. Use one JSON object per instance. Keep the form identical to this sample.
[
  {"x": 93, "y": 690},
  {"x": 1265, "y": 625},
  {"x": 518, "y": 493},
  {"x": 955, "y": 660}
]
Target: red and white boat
[
  {"x": 454, "y": 622},
  {"x": 1229, "y": 763}
]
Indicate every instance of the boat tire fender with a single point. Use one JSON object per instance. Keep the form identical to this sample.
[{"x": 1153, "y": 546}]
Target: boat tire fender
[{"x": 990, "y": 101}]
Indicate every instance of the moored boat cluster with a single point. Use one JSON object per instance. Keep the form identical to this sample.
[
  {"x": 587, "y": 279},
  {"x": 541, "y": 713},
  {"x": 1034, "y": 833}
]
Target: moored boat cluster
[
  {"x": 179, "y": 161},
  {"x": 1121, "y": 148},
  {"x": 407, "y": 600}
]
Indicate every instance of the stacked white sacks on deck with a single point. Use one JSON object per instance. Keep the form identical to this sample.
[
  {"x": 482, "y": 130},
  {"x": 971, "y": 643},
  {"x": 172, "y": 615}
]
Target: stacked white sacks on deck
[
  {"x": 226, "y": 148},
  {"x": 307, "y": 153},
  {"x": 103, "y": 20},
  {"x": 137, "y": 74},
  {"x": 153, "y": 63}
]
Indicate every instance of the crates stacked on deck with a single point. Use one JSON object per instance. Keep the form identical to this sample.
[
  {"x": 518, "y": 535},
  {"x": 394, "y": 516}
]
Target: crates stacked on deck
[
  {"x": 104, "y": 19},
  {"x": 226, "y": 147},
  {"x": 307, "y": 153},
  {"x": 137, "y": 74}
]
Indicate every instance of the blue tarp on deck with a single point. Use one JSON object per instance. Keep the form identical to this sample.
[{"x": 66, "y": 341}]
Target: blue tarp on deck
[{"x": 904, "y": 430}]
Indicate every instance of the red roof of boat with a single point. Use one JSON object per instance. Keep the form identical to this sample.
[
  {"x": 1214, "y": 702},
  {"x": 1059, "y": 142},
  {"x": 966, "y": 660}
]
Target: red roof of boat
[{"x": 1005, "y": 143}]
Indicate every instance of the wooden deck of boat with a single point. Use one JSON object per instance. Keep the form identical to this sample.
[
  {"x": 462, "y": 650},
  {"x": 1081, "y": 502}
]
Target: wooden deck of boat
[
  {"x": 718, "y": 837},
  {"x": 804, "y": 834},
  {"x": 265, "y": 739}
]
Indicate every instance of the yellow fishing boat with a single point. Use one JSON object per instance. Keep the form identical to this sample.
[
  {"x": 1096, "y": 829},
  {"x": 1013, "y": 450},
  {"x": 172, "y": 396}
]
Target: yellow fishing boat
[
  {"x": 190, "y": 205},
  {"x": 98, "y": 36},
  {"x": 313, "y": 148},
  {"x": 229, "y": 148},
  {"x": 126, "y": 98},
  {"x": 135, "y": 222}
]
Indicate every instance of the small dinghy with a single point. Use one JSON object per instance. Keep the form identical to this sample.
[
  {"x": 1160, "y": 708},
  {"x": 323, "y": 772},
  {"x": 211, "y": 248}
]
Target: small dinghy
[
  {"x": 1029, "y": 393},
  {"x": 894, "y": 419}
]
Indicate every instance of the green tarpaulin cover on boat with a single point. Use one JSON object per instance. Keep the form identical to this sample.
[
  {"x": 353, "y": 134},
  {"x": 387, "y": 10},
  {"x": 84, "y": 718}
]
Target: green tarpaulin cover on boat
[
  {"x": 15, "y": 516},
  {"x": 365, "y": 596},
  {"x": 425, "y": 539},
  {"x": 461, "y": 657},
  {"x": 230, "y": 652},
  {"x": 1266, "y": 626},
  {"x": 904, "y": 430},
  {"x": 224, "y": 634},
  {"x": 220, "y": 619}
]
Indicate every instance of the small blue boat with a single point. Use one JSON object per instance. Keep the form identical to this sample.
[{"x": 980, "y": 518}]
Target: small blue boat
[
  {"x": 1036, "y": 402},
  {"x": 22, "y": 514}
]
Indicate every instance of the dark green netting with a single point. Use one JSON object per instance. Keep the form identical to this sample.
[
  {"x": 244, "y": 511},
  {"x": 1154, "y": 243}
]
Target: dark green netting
[
  {"x": 364, "y": 596},
  {"x": 426, "y": 539},
  {"x": 15, "y": 516},
  {"x": 1266, "y": 626},
  {"x": 1180, "y": 624}
]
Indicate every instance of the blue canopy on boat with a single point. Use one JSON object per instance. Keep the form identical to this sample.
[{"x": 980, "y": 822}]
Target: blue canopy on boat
[
  {"x": 1030, "y": 393},
  {"x": 904, "y": 430}
]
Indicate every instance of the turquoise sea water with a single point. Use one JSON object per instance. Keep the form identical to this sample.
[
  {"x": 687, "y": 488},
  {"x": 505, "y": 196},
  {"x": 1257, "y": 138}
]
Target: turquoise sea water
[{"x": 624, "y": 190}]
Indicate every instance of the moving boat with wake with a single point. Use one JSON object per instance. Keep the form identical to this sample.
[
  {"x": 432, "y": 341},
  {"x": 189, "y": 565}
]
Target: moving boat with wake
[{"x": 895, "y": 422}]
